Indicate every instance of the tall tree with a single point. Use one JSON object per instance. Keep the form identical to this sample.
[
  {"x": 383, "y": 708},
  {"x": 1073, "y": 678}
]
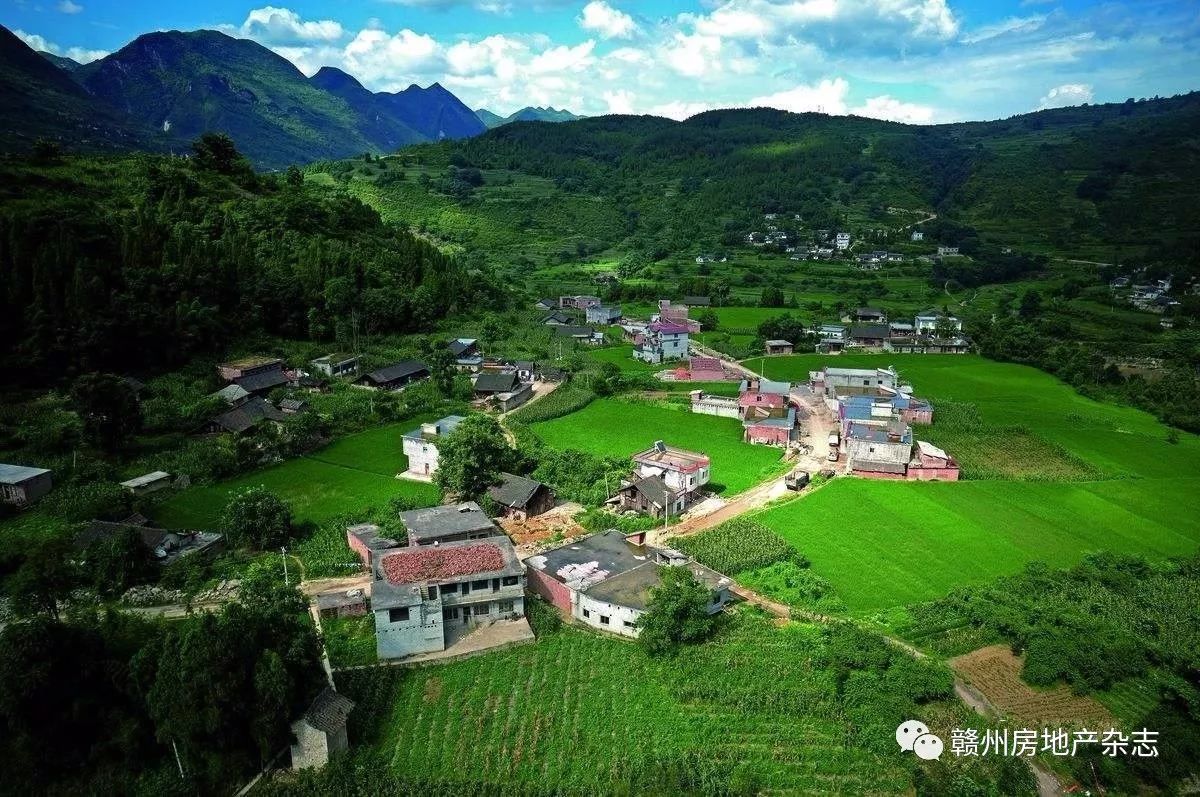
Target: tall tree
[
  {"x": 472, "y": 457},
  {"x": 257, "y": 517},
  {"x": 109, "y": 409},
  {"x": 677, "y": 613}
]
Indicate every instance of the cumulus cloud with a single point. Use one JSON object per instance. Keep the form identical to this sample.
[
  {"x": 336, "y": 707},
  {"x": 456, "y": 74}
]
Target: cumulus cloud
[
  {"x": 608, "y": 22},
  {"x": 693, "y": 55},
  {"x": 679, "y": 110},
  {"x": 282, "y": 26},
  {"x": 827, "y": 96},
  {"x": 67, "y": 7},
  {"x": 1066, "y": 94},
  {"x": 885, "y": 107},
  {"x": 375, "y": 55},
  {"x": 83, "y": 55},
  {"x": 619, "y": 101}
]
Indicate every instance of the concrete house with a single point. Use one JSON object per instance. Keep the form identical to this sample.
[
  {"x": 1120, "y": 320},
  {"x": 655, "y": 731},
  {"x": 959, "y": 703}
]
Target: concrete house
[
  {"x": 148, "y": 483},
  {"x": 947, "y": 251},
  {"x": 21, "y": 486},
  {"x": 436, "y": 525},
  {"x": 420, "y": 444},
  {"x": 245, "y": 417},
  {"x": 721, "y": 406},
  {"x": 600, "y": 314},
  {"x": 395, "y": 377},
  {"x": 927, "y": 322},
  {"x": 521, "y": 498},
  {"x": 426, "y": 597},
  {"x": 842, "y": 241},
  {"x": 605, "y": 581},
  {"x": 581, "y": 302},
  {"x": 917, "y": 235},
  {"x": 662, "y": 341},
  {"x": 321, "y": 732},
  {"x": 257, "y": 375},
  {"x": 832, "y": 382},
  {"x": 336, "y": 364}
]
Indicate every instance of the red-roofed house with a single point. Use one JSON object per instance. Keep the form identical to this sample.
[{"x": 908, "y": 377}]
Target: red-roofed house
[
  {"x": 425, "y": 597},
  {"x": 930, "y": 462}
]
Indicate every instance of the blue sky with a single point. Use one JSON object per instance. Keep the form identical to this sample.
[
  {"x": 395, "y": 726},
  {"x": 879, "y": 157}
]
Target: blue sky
[{"x": 909, "y": 60}]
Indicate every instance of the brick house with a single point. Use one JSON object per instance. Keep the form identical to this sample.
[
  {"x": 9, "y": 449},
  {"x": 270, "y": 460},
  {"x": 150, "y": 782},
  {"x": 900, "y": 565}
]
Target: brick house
[
  {"x": 368, "y": 540},
  {"x": 581, "y": 302},
  {"x": 257, "y": 375},
  {"x": 771, "y": 427},
  {"x": 931, "y": 463},
  {"x": 779, "y": 347},
  {"x": 521, "y": 498},
  {"x": 604, "y": 581},
  {"x": 420, "y": 444}
]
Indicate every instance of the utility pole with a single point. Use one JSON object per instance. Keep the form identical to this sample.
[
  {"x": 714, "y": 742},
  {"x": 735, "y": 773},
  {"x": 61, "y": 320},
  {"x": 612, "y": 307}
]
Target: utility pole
[{"x": 283, "y": 553}]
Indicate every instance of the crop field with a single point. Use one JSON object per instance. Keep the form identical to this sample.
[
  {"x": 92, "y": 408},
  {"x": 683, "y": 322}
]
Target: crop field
[
  {"x": 737, "y": 545},
  {"x": 594, "y": 715},
  {"x": 610, "y": 427},
  {"x": 356, "y": 472},
  {"x": 1079, "y": 476},
  {"x": 996, "y": 673}
]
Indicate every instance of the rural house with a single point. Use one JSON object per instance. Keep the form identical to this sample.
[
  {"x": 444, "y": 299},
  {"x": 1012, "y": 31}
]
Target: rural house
[
  {"x": 931, "y": 463},
  {"x": 453, "y": 523},
  {"x": 291, "y": 406},
  {"x": 842, "y": 241},
  {"x": 425, "y": 598},
  {"x": 682, "y": 471},
  {"x": 545, "y": 304},
  {"x": 321, "y": 732},
  {"x": 162, "y": 545},
  {"x": 870, "y": 315},
  {"x": 343, "y": 603},
  {"x": 868, "y": 335},
  {"x": 779, "y": 347},
  {"x": 721, "y": 406},
  {"x": 928, "y": 322},
  {"x": 420, "y": 444},
  {"x": 504, "y": 389},
  {"x": 579, "y": 334},
  {"x": 600, "y": 314},
  {"x": 394, "y": 377},
  {"x": 578, "y": 302},
  {"x": 147, "y": 483},
  {"x": 770, "y": 426},
  {"x": 556, "y": 318},
  {"x": 947, "y": 251},
  {"x": 917, "y": 235},
  {"x": 662, "y": 341},
  {"x": 878, "y": 458},
  {"x": 604, "y": 581},
  {"x": 21, "y": 486},
  {"x": 521, "y": 498},
  {"x": 257, "y": 375},
  {"x": 336, "y": 364},
  {"x": 832, "y": 382},
  {"x": 696, "y": 301},
  {"x": 246, "y": 416},
  {"x": 368, "y": 540},
  {"x": 233, "y": 395},
  {"x": 466, "y": 354},
  {"x": 649, "y": 495}
]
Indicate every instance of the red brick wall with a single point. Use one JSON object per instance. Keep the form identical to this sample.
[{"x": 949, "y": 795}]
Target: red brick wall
[
  {"x": 357, "y": 546},
  {"x": 554, "y": 591},
  {"x": 771, "y": 435}
]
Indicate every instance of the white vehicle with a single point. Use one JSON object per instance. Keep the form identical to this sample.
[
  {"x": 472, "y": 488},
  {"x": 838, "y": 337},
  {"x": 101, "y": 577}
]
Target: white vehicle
[
  {"x": 833, "y": 456},
  {"x": 834, "y": 439}
]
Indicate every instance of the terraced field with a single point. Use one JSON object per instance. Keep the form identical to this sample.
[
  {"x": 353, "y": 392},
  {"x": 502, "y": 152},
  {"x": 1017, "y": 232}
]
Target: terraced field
[
  {"x": 1105, "y": 477},
  {"x": 594, "y": 715}
]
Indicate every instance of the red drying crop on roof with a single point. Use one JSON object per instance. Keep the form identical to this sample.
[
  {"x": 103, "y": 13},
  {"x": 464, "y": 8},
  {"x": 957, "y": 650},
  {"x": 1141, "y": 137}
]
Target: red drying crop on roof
[{"x": 431, "y": 562}]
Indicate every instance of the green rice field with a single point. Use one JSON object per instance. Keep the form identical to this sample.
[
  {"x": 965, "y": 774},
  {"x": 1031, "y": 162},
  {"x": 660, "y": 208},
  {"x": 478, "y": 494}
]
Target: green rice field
[
  {"x": 349, "y": 475},
  {"x": 611, "y": 427},
  {"x": 1117, "y": 484}
]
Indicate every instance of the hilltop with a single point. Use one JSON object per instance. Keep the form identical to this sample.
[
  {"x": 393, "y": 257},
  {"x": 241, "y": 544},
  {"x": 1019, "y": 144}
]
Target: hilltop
[{"x": 527, "y": 114}]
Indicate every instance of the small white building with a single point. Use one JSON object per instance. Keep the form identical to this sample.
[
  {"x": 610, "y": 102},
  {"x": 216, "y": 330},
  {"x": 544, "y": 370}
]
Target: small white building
[
  {"x": 928, "y": 321},
  {"x": 321, "y": 732},
  {"x": 149, "y": 483},
  {"x": 947, "y": 251},
  {"x": 842, "y": 241},
  {"x": 682, "y": 471},
  {"x": 420, "y": 444},
  {"x": 918, "y": 235}
]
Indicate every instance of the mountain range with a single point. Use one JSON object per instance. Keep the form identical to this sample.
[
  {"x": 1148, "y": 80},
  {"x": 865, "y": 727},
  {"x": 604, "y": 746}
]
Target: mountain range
[
  {"x": 528, "y": 114},
  {"x": 163, "y": 89}
]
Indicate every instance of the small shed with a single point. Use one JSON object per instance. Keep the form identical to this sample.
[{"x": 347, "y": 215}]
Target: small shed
[
  {"x": 349, "y": 603},
  {"x": 779, "y": 347},
  {"x": 21, "y": 485},
  {"x": 291, "y": 406},
  {"x": 321, "y": 732},
  {"x": 148, "y": 483}
]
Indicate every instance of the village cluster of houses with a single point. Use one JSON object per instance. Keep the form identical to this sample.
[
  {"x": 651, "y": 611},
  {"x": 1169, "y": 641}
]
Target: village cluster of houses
[
  {"x": 876, "y": 414},
  {"x": 1152, "y": 297},
  {"x": 769, "y": 412},
  {"x": 868, "y": 328}
]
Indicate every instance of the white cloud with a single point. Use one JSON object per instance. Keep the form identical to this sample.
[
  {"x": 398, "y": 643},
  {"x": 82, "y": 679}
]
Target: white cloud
[
  {"x": 67, "y": 7},
  {"x": 694, "y": 55},
  {"x": 679, "y": 111},
  {"x": 895, "y": 25},
  {"x": 610, "y": 23},
  {"x": 827, "y": 96},
  {"x": 1066, "y": 94},
  {"x": 394, "y": 61},
  {"x": 885, "y": 107},
  {"x": 83, "y": 55},
  {"x": 272, "y": 25},
  {"x": 619, "y": 101},
  {"x": 1004, "y": 27}
]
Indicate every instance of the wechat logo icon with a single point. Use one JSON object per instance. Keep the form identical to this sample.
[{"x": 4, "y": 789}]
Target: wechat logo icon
[{"x": 914, "y": 736}]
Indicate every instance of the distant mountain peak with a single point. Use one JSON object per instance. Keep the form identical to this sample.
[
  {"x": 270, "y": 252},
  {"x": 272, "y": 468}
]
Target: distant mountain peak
[{"x": 530, "y": 113}]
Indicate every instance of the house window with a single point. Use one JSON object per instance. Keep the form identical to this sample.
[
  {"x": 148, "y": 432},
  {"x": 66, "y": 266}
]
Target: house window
[
  {"x": 505, "y": 607},
  {"x": 432, "y": 591},
  {"x": 510, "y": 581},
  {"x": 629, "y": 624},
  {"x": 482, "y": 608},
  {"x": 450, "y": 589},
  {"x": 450, "y": 614},
  {"x": 398, "y": 615},
  {"x": 587, "y": 613},
  {"x": 479, "y": 584},
  {"x": 603, "y": 620}
]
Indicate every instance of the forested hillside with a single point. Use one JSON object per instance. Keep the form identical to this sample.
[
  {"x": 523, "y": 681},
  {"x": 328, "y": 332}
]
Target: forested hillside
[
  {"x": 1076, "y": 179},
  {"x": 144, "y": 261}
]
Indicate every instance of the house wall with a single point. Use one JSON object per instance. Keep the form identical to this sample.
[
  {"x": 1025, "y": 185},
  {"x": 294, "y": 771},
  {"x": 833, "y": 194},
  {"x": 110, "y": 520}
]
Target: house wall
[
  {"x": 357, "y": 545},
  {"x": 422, "y": 456},
  {"x": 311, "y": 748},
  {"x": 422, "y": 632},
  {"x": 27, "y": 491},
  {"x": 917, "y": 416},
  {"x": 555, "y": 592},
  {"x": 924, "y": 474},
  {"x": 716, "y": 405},
  {"x": 767, "y": 435},
  {"x": 516, "y": 399},
  {"x": 589, "y": 612}
]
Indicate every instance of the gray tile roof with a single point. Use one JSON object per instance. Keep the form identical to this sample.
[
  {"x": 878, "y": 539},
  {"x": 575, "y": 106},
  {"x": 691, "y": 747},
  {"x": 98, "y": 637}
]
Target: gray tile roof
[
  {"x": 391, "y": 373},
  {"x": 429, "y": 524},
  {"x": 248, "y": 415},
  {"x": 329, "y": 711},
  {"x": 515, "y": 491},
  {"x": 492, "y": 382}
]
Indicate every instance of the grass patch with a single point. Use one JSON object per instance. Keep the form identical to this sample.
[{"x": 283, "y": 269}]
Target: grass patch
[
  {"x": 350, "y": 641},
  {"x": 615, "y": 428}
]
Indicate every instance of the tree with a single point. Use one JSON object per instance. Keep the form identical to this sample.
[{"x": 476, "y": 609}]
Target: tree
[
  {"x": 1031, "y": 304},
  {"x": 109, "y": 409},
  {"x": 473, "y": 456},
  {"x": 216, "y": 152},
  {"x": 708, "y": 319},
  {"x": 677, "y": 613},
  {"x": 295, "y": 178},
  {"x": 944, "y": 329},
  {"x": 118, "y": 561},
  {"x": 258, "y": 518},
  {"x": 44, "y": 579}
]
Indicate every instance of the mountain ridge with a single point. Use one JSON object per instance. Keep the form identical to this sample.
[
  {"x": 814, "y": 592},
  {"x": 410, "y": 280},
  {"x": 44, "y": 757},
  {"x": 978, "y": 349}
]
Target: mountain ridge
[{"x": 530, "y": 113}]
